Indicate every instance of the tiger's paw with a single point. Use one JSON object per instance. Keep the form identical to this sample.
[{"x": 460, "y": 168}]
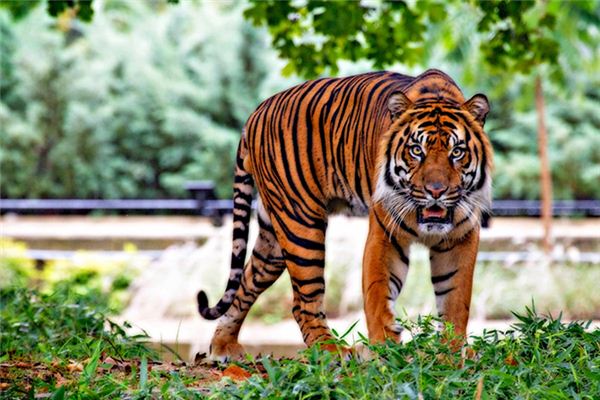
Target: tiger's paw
[
  {"x": 362, "y": 353},
  {"x": 394, "y": 332},
  {"x": 226, "y": 352},
  {"x": 386, "y": 333}
]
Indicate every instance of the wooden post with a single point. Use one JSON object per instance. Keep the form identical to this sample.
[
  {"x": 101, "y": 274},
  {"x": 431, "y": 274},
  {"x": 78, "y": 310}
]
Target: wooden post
[{"x": 545, "y": 174}]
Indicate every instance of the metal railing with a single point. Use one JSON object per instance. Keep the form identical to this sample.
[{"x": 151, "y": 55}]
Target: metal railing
[{"x": 203, "y": 202}]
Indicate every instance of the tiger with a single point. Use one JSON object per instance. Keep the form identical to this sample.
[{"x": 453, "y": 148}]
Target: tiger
[{"x": 408, "y": 152}]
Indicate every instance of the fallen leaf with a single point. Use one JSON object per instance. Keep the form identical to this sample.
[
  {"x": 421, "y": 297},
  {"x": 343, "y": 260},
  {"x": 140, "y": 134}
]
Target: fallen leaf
[
  {"x": 110, "y": 360},
  {"x": 469, "y": 354},
  {"x": 4, "y": 385},
  {"x": 109, "y": 363},
  {"x": 75, "y": 367},
  {"x": 236, "y": 373},
  {"x": 60, "y": 380},
  {"x": 509, "y": 360},
  {"x": 202, "y": 359}
]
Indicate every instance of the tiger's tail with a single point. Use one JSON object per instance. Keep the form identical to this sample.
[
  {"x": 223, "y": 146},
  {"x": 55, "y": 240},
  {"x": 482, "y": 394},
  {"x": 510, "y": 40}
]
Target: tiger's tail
[{"x": 242, "y": 205}]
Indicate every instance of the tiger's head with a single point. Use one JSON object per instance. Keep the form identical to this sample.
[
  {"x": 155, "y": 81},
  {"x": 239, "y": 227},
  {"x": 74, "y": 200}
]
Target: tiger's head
[{"x": 435, "y": 163}]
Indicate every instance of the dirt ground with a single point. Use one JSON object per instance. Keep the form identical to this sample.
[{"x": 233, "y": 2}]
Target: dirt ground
[{"x": 177, "y": 227}]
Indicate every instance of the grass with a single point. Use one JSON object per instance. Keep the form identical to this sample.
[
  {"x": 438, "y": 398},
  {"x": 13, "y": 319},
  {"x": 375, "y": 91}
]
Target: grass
[
  {"x": 57, "y": 341},
  {"x": 540, "y": 358},
  {"x": 60, "y": 346}
]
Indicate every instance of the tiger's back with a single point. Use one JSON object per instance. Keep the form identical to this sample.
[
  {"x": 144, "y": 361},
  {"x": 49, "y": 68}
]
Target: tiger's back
[{"x": 317, "y": 141}]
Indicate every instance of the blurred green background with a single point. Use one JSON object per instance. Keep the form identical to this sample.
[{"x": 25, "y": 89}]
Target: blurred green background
[{"x": 148, "y": 95}]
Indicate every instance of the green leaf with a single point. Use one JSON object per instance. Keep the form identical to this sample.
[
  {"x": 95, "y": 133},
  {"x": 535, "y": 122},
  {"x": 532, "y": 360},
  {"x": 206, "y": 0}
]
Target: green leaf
[{"x": 89, "y": 370}]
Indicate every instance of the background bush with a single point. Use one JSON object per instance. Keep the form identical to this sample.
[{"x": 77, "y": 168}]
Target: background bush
[
  {"x": 131, "y": 105},
  {"x": 150, "y": 95}
]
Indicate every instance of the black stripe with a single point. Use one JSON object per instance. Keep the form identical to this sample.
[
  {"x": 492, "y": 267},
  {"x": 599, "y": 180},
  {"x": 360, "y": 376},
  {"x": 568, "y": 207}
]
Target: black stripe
[
  {"x": 303, "y": 261},
  {"x": 265, "y": 225},
  {"x": 396, "y": 282},
  {"x": 262, "y": 284},
  {"x": 260, "y": 257},
  {"x": 442, "y": 278},
  {"x": 443, "y": 292},
  {"x": 312, "y": 296},
  {"x": 299, "y": 241},
  {"x": 408, "y": 229},
  {"x": 394, "y": 242},
  {"x": 438, "y": 249},
  {"x": 239, "y": 233},
  {"x": 239, "y": 195},
  {"x": 462, "y": 221},
  {"x": 244, "y": 179},
  {"x": 303, "y": 282},
  {"x": 310, "y": 313}
]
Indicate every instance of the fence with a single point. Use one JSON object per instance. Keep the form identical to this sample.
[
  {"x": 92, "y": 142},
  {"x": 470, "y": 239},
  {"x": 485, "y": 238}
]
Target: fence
[{"x": 203, "y": 202}]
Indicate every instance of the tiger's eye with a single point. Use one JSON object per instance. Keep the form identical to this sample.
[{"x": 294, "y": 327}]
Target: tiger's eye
[
  {"x": 416, "y": 151},
  {"x": 457, "y": 153}
]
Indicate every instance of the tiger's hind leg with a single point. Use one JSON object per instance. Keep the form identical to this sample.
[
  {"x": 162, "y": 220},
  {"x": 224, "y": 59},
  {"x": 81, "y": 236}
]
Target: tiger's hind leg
[
  {"x": 264, "y": 267},
  {"x": 303, "y": 247}
]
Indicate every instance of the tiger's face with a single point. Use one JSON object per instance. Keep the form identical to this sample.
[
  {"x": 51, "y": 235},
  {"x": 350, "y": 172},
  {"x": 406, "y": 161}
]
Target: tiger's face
[{"x": 436, "y": 166}]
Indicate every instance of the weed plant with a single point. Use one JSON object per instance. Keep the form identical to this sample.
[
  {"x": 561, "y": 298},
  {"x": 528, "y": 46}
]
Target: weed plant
[
  {"x": 45, "y": 337},
  {"x": 538, "y": 358},
  {"x": 61, "y": 345}
]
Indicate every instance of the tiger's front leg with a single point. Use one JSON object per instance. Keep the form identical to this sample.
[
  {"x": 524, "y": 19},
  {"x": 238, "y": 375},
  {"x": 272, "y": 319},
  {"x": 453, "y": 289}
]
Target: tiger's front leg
[
  {"x": 385, "y": 266},
  {"x": 452, "y": 268}
]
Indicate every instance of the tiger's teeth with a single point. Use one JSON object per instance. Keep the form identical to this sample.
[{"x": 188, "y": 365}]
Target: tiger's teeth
[{"x": 437, "y": 212}]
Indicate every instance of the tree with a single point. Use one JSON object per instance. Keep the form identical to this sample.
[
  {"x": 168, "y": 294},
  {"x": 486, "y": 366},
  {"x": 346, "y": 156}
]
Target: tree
[
  {"x": 85, "y": 114},
  {"x": 522, "y": 38}
]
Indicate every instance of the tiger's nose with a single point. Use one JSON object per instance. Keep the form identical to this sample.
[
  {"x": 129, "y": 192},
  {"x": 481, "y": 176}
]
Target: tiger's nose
[{"x": 436, "y": 189}]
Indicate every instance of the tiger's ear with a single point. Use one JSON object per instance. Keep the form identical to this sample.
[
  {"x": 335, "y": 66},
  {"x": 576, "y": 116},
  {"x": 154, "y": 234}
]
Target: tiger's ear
[
  {"x": 478, "y": 106},
  {"x": 398, "y": 104}
]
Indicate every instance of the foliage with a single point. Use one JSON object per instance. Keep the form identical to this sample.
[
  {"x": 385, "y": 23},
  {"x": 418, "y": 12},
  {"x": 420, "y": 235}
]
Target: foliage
[
  {"x": 138, "y": 121},
  {"x": 62, "y": 324},
  {"x": 574, "y": 135},
  {"x": 313, "y": 36},
  {"x": 82, "y": 8},
  {"x": 49, "y": 339},
  {"x": 521, "y": 36},
  {"x": 102, "y": 282},
  {"x": 538, "y": 358},
  {"x": 60, "y": 340},
  {"x": 59, "y": 344}
]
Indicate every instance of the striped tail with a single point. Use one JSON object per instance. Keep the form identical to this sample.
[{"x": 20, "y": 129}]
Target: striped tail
[{"x": 242, "y": 204}]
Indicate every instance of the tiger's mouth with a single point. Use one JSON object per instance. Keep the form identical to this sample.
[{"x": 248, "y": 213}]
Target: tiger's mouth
[{"x": 434, "y": 214}]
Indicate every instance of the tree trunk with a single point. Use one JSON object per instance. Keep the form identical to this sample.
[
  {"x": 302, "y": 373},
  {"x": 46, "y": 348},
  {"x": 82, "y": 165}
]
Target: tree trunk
[{"x": 545, "y": 175}]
